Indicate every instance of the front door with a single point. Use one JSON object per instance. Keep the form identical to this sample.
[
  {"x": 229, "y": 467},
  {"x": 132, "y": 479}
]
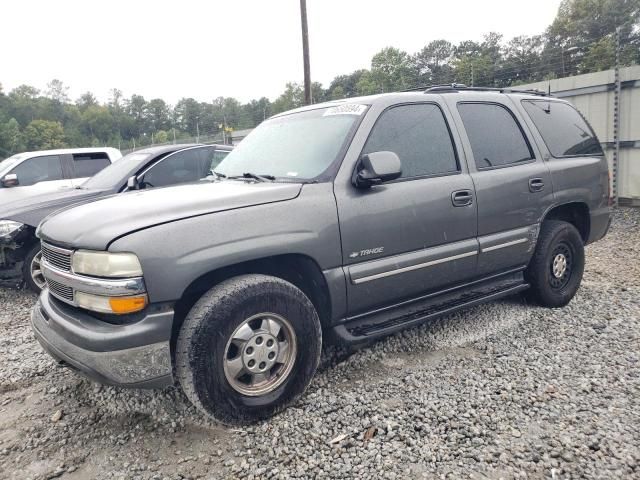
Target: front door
[{"x": 416, "y": 234}]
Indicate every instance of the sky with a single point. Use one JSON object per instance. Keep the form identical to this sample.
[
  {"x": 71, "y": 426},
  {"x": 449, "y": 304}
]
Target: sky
[{"x": 233, "y": 48}]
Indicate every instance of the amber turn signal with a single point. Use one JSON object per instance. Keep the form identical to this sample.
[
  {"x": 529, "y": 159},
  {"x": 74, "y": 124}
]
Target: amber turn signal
[{"x": 122, "y": 305}]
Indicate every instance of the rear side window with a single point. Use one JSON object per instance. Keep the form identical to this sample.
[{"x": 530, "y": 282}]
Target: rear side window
[
  {"x": 38, "y": 169},
  {"x": 419, "y": 135},
  {"x": 563, "y": 129},
  {"x": 495, "y": 136},
  {"x": 88, "y": 164}
]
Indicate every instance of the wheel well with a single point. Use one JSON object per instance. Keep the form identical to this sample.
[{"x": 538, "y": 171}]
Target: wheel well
[
  {"x": 300, "y": 270},
  {"x": 576, "y": 214}
]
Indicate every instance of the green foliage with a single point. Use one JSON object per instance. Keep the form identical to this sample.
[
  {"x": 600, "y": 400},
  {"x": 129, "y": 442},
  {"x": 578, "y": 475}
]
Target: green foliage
[
  {"x": 581, "y": 39},
  {"x": 292, "y": 97},
  {"x": 44, "y": 135},
  {"x": 392, "y": 70},
  {"x": 10, "y": 136}
]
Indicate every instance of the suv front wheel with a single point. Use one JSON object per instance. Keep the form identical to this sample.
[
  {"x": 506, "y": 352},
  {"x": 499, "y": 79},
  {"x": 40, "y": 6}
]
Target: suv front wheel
[
  {"x": 556, "y": 269},
  {"x": 248, "y": 348}
]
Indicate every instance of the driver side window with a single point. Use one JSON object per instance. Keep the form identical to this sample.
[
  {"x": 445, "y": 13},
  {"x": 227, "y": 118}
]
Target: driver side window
[{"x": 181, "y": 167}]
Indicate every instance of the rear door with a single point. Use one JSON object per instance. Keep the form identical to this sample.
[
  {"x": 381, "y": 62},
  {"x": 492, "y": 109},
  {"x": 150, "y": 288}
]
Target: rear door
[
  {"x": 85, "y": 165},
  {"x": 512, "y": 182},
  {"x": 416, "y": 234}
]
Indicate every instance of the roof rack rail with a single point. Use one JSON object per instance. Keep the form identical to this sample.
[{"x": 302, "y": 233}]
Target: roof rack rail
[{"x": 456, "y": 87}]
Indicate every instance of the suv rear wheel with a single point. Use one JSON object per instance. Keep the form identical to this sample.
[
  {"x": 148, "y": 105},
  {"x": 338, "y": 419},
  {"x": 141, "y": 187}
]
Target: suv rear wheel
[
  {"x": 248, "y": 348},
  {"x": 556, "y": 269}
]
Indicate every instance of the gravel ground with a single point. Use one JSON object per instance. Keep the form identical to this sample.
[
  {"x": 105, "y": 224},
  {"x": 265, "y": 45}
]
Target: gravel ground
[{"x": 505, "y": 390}]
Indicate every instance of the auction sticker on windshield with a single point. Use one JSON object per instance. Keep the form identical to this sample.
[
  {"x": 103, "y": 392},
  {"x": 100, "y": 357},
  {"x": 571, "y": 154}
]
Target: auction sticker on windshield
[{"x": 346, "y": 109}]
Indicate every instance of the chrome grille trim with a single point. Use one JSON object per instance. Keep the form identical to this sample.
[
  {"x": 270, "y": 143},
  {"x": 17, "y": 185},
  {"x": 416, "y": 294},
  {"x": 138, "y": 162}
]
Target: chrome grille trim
[
  {"x": 60, "y": 291},
  {"x": 59, "y": 258}
]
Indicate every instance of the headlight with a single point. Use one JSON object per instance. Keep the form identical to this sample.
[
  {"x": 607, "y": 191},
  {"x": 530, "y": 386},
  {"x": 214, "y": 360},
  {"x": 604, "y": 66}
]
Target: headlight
[
  {"x": 9, "y": 228},
  {"x": 106, "y": 264}
]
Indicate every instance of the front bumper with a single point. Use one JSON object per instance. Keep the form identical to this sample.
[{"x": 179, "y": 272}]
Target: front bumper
[{"x": 137, "y": 355}]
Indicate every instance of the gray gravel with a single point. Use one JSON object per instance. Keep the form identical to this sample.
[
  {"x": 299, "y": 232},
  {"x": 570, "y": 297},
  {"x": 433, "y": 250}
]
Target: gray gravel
[{"x": 505, "y": 390}]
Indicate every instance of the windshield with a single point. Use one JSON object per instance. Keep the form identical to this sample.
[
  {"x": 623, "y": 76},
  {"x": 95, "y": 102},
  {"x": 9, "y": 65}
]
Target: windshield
[
  {"x": 296, "y": 146},
  {"x": 116, "y": 174}
]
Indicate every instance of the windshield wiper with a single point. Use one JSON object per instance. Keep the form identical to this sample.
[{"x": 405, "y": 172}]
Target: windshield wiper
[
  {"x": 253, "y": 176},
  {"x": 216, "y": 174}
]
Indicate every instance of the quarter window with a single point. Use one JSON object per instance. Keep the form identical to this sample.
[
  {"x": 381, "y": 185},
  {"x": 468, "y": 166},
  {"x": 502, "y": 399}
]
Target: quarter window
[
  {"x": 495, "y": 136},
  {"x": 38, "y": 169},
  {"x": 217, "y": 157},
  {"x": 419, "y": 135},
  {"x": 563, "y": 129}
]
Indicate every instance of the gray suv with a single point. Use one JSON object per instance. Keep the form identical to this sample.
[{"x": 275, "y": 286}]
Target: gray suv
[{"x": 343, "y": 221}]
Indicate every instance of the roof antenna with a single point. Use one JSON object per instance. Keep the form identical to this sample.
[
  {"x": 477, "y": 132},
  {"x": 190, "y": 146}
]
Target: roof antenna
[{"x": 548, "y": 109}]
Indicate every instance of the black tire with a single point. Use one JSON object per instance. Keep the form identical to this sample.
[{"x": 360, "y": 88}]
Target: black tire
[
  {"x": 556, "y": 238},
  {"x": 202, "y": 343},
  {"x": 29, "y": 282}
]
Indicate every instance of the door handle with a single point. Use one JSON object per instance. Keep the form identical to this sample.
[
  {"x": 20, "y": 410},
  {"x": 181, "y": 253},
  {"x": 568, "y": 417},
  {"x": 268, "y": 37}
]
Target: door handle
[
  {"x": 462, "y": 198},
  {"x": 536, "y": 185}
]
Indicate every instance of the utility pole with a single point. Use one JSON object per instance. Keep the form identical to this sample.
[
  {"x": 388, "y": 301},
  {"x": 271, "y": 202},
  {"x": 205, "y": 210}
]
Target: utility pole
[
  {"x": 305, "y": 52},
  {"x": 198, "y": 131}
]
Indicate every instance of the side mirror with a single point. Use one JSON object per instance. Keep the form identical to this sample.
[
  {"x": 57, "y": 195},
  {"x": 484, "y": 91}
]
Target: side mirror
[
  {"x": 132, "y": 183},
  {"x": 375, "y": 168},
  {"x": 10, "y": 180}
]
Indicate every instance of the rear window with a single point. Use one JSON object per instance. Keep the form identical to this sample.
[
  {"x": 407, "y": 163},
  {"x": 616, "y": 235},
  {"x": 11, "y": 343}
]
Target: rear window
[
  {"x": 563, "y": 129},
  {"x": 88, "y": 164}
]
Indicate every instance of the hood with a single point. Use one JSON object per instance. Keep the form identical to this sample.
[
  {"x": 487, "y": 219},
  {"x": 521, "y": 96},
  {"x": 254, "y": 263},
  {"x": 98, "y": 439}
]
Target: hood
[
  {"x": 31, "y": 210},
  {"x": 95, "y": 225}
]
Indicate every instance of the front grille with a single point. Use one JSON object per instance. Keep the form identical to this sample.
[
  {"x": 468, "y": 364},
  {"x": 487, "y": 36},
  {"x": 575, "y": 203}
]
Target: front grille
[
  {"x": 57, "y": 257},
  {"x": 60, "y": 291}
]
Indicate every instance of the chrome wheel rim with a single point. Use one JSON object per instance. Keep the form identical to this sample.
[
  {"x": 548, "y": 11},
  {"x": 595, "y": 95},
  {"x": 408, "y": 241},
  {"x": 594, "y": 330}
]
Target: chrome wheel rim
[
  {"x": 36, "y": 270},
  {"x": 260, "y": 354}
]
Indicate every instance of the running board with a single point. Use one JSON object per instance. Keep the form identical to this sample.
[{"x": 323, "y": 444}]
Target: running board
[{"x": 374, "y": 326}]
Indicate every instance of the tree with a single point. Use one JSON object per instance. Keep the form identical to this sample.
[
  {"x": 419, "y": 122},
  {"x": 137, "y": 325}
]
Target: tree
[
  {"x": 521, "y": 62},
  {"x": 392, "y": 70},
  {"x": 579, "y": 29},
  {"x": 97, "y": 123},
  {"x": 347, "y": 85},
  {"x": 115, "y": 99},
  {"x": 86, "y": 100},
  {"x": 136, "y": 108},
  {"x": 433, "y": 63},
  {"x": 292, "y": 97},
  {"x": 57, "y": 91},
  {"x": 44, "y": 135},
  {"x": 187, "y": 115},
  {"x": 161, "y": 136},
  {"x": 158, "y": 114},
  {"x": 11, "y": 140}
]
